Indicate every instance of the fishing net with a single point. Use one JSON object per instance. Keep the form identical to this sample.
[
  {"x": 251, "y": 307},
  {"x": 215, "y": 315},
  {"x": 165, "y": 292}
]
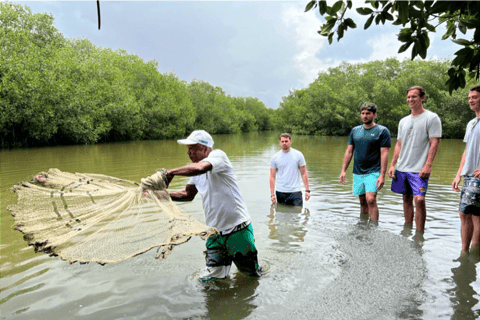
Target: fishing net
[{"x": 99, "y": 218}]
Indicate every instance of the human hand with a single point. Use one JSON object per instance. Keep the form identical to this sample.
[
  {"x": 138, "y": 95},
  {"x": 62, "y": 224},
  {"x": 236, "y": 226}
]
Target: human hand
[
  {"x": 476, "y": 173},
  {"x": 391, "y": 172},
  {"x": 456, "y": 183},
  {"x": 342, "y": 177},
  {"x": 274, "y": 199},
  {"x": 380, "y": 182},
  {"x": 426, "y": 171},
  {"x": 307, "y": 195}
]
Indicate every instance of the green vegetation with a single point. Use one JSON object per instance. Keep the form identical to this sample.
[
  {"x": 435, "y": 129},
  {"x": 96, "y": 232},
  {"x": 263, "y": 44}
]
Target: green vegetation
[
  {"x": 55, "y": 90},
  {"x": 418, "y": 19},
  {"x": 331, "y": 104}
]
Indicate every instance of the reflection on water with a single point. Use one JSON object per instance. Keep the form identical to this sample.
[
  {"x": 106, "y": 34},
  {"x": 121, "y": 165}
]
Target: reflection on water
[
  {"x": 288, "y": 224},
  {"x": 463, "y": 295},
  {"x": 324, "y": 261},
  {"x": 233, "y": 298}
]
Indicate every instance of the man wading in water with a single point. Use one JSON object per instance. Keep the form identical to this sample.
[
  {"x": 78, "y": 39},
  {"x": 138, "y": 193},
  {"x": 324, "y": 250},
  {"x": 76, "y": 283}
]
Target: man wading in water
[
  {"x": 212, "y": 175},
  {"x": 369, "y": 144}
]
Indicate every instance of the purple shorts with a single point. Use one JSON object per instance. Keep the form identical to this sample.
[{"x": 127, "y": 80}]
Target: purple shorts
[{"x": 409, "y": 183}]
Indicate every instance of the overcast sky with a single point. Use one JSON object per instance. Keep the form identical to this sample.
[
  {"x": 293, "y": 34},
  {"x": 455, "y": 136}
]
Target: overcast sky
[{"x": 259, "y": 49}]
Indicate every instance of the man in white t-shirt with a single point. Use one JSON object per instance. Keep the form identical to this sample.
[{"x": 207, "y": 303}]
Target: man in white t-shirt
[
  {"x": 417, "y": 143},
  {"x": 469, "y": 207},
  {"x": 213, "y": 177},
  {"x": 286, "y": 167}
]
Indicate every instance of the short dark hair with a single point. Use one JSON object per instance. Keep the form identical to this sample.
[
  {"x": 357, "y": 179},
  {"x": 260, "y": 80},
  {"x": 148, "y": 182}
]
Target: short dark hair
[
  {"x": 369, "y": 107},
  {"x": 422, "y": 90},
  {"x": 475, "y": 88},
  {"x": 285, "y": 135}
]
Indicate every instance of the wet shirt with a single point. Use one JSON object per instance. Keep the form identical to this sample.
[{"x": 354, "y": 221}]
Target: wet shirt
[
  {"x": 366, "y": 145},
  {"x": 222, "y": 202}
]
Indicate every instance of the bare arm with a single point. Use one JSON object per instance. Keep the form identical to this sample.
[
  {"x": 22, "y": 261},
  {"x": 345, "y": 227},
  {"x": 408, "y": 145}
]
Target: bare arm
[
  {"x": 185, "y": 195},
  {"x": 346, "y": 161},
  {"x": 194, "y": 169},
  {"x": 432, "y": 152},
  {"x": 304, "y": 174},
  {"x": 383, "y": 167},
  {"x": 396, "y": 154},
  {"x": 273, "y": 176},
  {"x": 458, "y": 177}
]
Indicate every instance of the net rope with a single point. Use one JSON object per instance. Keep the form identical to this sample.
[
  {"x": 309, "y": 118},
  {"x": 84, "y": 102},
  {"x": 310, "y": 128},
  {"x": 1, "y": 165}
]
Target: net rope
[{"x": 98, "y": 218}]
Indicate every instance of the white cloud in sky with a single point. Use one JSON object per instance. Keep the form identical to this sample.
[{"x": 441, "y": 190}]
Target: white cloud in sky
[{"x": 386, "y": 46}]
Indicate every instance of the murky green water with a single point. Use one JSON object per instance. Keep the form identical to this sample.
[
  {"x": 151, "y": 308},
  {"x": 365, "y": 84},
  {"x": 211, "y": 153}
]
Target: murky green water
[{"x": 324, "y": 262}]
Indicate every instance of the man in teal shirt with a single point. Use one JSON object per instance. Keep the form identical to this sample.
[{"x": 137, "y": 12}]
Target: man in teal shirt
[{"x": 369, "y": 145}]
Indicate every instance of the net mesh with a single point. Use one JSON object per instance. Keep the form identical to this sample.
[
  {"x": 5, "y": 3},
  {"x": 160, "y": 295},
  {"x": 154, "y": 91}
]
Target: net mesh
[{"x": 99, "y": 218}]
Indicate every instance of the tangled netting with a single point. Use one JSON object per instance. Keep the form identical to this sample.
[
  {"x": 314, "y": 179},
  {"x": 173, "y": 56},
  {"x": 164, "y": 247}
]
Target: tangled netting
[{"x": 98, "y": 218}]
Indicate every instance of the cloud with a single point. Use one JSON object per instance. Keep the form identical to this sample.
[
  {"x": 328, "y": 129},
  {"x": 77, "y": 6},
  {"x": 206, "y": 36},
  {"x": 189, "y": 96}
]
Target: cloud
[
  {"x": 308, "y": 43},
  {"x": 386, "y": 46}
]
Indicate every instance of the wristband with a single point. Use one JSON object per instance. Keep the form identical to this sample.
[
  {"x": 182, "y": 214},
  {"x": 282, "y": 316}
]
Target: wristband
[
  {"x": 307, "y": 191},
  {"x": 272, "y": 195}
]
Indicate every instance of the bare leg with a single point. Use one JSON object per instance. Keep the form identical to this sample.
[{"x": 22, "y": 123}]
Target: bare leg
[
  {"x": 466, "y": 230},
  {"x": 363, "y": 204},
  {"x": 475, "y": 246},
  {"x": 408, "y": 208},
  {"x": 420, "y": 213},
  {"x": 371, "y": 198}
]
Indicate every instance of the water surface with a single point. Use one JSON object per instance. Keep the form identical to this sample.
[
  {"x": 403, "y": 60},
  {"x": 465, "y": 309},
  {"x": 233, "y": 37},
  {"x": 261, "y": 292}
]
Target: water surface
[{"x": 324, "y": 261}]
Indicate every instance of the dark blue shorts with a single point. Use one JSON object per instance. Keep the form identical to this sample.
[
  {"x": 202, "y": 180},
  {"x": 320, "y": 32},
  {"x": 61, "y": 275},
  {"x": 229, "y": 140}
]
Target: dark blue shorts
[
  {"x": 409, "y": 183},
  {"x": 290, "y": 198}
]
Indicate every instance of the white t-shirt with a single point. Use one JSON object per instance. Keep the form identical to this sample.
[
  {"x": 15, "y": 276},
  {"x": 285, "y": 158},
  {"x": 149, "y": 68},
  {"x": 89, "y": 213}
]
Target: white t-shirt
[
  {"x": 222, "y": 202},
  {"x": 472, "y": 138},
  {"x": 415, "y": 132},
  {"x": 288, "y": 174}
]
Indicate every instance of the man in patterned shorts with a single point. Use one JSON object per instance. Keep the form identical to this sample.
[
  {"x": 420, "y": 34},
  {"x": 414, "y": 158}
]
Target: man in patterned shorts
[{"x": 470, "y": 170}]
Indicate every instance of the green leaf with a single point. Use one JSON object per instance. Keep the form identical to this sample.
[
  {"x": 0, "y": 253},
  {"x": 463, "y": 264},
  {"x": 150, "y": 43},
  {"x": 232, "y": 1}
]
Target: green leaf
[
  {"x": 462, "y": 42},
  {"x": 405, "y": 46},
  {"x": 405, "y": 35},
  {"x": 310, "y": 5},
  {"x": 378, "y": 19},
  {"x": 364, "y": 11},
  {"x": 322, "y": 7},
  {"x": 350, "y": 23},
  {"x": 340, "y": 31},
  {"x": 402, "y": 8},
  {"x": 330, "y": 38},
  {"x": 337, "y": 6},
  {"x": 368, "y": 23},
  {"x": 388, "y": 16},
  {"x": 464, "y": 52},
  {"x": 430, "y": 27}
]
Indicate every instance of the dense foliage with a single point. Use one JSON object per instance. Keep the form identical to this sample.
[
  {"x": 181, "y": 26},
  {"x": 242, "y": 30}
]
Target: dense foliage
[
  {"x": 55, "y": 90},
  {"x": 418, "y": 19},
  {"x": 331, "y": 104}
]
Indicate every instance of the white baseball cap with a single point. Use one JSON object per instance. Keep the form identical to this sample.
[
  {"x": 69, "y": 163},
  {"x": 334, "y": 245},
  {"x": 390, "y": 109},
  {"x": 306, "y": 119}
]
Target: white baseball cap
[{"x": 198, "y": 137}]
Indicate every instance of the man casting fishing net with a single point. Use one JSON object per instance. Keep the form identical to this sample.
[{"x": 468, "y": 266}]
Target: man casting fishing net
[{"x": 212, "y": 175}]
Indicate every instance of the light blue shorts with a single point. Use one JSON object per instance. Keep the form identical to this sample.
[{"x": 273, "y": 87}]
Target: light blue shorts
[{"x": 365, "y": 183}]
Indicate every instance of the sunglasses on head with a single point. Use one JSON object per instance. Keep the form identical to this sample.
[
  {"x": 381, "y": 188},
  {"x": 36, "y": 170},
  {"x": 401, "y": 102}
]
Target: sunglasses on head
[{"x": 475, "y": 89}]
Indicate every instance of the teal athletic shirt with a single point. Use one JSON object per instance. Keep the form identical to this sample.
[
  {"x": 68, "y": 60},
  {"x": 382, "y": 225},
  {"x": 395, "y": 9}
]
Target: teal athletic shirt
[{"x": 366, "y": 145}]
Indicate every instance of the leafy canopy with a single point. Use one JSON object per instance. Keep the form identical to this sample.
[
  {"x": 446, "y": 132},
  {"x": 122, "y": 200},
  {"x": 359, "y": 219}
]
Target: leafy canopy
[{"x": 418, "y": 19}]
